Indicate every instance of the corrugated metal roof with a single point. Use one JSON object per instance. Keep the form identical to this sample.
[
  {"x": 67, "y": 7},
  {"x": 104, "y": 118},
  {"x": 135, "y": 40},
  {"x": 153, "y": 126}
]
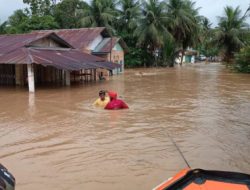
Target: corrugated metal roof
[
  {"x": 62, "y": 59},
  {"x": 79, "y": 38},
  {"x": 12, "y": 42},
  {"x": 15, "y": 49},
  {"x": 108, "y": 44}
]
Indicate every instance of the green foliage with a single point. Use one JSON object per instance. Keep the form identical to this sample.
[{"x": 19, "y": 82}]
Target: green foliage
[
  {"x": 242, "y": 61},
  {"x": 100, "y": 13},
  {"x": 129, "y": 14},
  {"x": 169, "y": 53},
  {"x": 42, "y": 23},
  {"x": 151, "y": 30},
  {"x": 3, "y": 27},
  {"x": 20, "y": 22},
  {"x": 134, "y": 58},
  {"x": 68, "y": 13},
  {"x": 39, "y": 7},
  {"x": 206, "y": 45},
  {"x": 230, "y": 33},
  {"x": 183, "y": 23},
  {"x": 138, "y": 57}
]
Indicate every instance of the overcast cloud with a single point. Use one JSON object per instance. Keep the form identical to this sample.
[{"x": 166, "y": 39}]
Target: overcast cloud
[{"x": 209, "y": 8}]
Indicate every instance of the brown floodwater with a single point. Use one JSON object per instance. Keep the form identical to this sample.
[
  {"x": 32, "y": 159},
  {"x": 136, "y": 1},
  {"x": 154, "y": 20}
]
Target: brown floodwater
[{"x": 56, "y": 140}]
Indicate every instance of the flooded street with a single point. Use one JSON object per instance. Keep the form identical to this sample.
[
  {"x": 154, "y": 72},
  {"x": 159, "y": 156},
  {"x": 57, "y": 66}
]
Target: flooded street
[{"x": 56, "y": 140}]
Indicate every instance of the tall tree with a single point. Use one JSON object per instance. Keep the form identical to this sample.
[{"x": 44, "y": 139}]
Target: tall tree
[
  {"x": 128, "y": 15},
  {"x": 100, "y": 13},
  {"x": 39, "y": 7},
  {"x": 151, "y": 30},
  {"x": 3, "y": 27},
  {"x": 183, "y": 23},
  {"x": 231, "y": 31},
  {"x": 18, "y": 22},
  {"x": 22, "y": 22},
  {"x": 206, "y": 44},
  {"x": 68, "y": 13}
]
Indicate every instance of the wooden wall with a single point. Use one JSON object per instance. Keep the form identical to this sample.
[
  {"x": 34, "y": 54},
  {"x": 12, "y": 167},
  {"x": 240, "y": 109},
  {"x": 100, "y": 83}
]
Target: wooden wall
[{"x": 7, "y": 74}]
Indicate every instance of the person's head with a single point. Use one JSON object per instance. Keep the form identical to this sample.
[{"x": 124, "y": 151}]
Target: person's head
[
  {"x": 112, "y": 95},
  {"x": 102, "y": 94}
]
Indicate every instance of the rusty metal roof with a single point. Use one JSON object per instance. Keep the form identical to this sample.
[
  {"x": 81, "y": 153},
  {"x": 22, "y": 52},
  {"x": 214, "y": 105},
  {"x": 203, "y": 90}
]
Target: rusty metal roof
[
  {"x": 17, "y": 49},
  {"x": 70, "y": 59},
  {"x": 79, "y": 38},
  {"x": 12, "y": 42}
]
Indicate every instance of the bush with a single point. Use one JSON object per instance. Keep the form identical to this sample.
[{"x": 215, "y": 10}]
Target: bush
[
  {"x": 138, "y": 57},
  {"x": 242, "y": 60}
]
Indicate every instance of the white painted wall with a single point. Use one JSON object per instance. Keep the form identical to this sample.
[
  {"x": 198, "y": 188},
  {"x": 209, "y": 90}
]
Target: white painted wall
[{"x": 96, "y": 41}]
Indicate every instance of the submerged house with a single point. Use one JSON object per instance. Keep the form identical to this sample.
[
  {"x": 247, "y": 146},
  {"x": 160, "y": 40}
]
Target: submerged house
[
  {"x": 96, "y": 41},
  {"x": 36, "y": 58}
]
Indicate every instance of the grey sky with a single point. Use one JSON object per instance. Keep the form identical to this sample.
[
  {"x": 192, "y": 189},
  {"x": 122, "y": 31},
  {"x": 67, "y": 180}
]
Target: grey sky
[
  {"x": 7, "y": 7},
  {"x": 209, "y": 8},
  {"x": 213, "y": 8}
]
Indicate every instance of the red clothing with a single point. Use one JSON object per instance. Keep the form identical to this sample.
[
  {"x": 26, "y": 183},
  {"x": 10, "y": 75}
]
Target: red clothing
[{"x": 116, "y": 104}]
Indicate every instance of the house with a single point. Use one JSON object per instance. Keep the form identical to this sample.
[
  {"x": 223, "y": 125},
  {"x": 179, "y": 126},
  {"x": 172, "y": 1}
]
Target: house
[
  {"x": 37, "y": 58},
  {"x": 189, "y": 55},
  {"x": 96, "y": 41}
]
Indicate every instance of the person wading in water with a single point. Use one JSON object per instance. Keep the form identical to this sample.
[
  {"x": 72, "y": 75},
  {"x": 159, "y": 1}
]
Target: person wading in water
[
  {"x": 102, "y": 101},
  {"x": 115, "y": 103}
]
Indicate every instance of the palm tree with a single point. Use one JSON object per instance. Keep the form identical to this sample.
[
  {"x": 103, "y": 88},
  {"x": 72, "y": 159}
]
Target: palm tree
[
  {"x": 183, "y": 23},
  {"x": 151, "y": 30},
  {"x": 128, "y": 14},
  {"x": 100, "y": 13},
  {"x": 205, "y": 37},
  {"x": 230, "y": 31}
]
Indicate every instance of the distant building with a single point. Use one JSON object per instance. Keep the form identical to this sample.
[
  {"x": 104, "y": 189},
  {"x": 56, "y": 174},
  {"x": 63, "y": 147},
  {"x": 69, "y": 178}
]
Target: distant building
[
  {"x": 47, "y": 58},
  {"x": 189, "y": 55}
]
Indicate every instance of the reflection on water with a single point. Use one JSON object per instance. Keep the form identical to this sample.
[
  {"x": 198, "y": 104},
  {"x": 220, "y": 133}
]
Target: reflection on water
[{"x": 55, "y": 139}]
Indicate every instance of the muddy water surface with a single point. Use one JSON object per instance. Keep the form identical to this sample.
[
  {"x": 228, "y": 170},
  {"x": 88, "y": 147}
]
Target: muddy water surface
[{"x": 56, "y": 140}]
